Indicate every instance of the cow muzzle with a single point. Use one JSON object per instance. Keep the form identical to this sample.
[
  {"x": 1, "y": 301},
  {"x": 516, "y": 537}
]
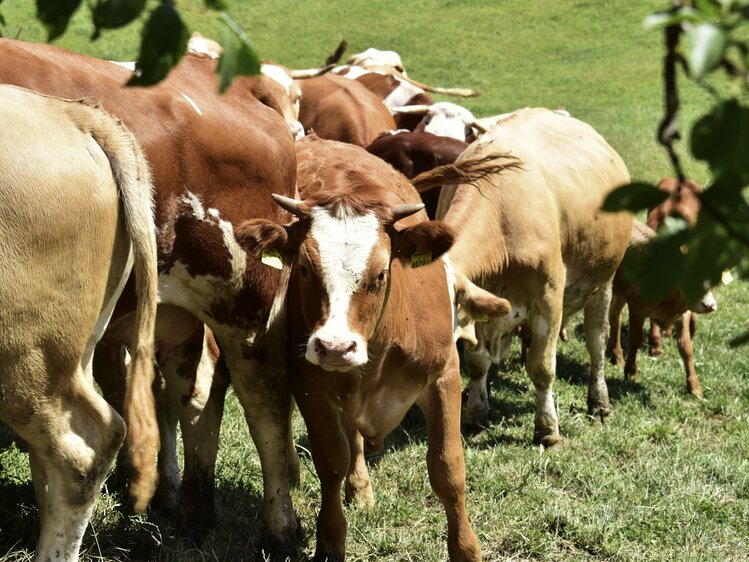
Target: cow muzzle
[
  {"x": 333, "y": 354},
  {"x": 707, "y": 305}
]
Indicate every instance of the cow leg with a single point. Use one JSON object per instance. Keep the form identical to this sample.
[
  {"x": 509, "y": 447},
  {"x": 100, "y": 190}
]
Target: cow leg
[
  {"x": 330, "y": 454},
  {"x": 476, "y": 364},
  {"x": 684, "y": 343},
  {"x": 615, "y": 325},
  {"x": 541, "y": 366},
  {"x": 167, "y": 492},
  {"x": 358, "y": 489},
  {"x": 596, "y": 312},
  {"x": 259, "y": 377},
  {"x": 655, "y": 342},
  {"x": 636, "y": 330},
  {"x": 72, "y": 444},
  {"x": 197, "y": 382},
  {"x": 447, "y": 474}
]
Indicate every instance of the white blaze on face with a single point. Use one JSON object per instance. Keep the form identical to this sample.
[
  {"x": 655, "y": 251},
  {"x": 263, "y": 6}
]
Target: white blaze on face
[
  {"x": 403, "y": 94},
  {"x": 449, "y": 120},
  {"x": 707, "y": 304},
  {"x": 344, "y": 244}
]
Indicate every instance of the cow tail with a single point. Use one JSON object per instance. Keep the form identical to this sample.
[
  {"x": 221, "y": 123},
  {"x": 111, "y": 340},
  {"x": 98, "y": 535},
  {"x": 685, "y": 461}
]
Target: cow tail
[
  {"x": 133, "y": 179},
  {"x": 468, "y": 171}
]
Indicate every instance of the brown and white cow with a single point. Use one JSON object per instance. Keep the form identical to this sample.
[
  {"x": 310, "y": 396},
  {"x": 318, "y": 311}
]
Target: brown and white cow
[
  {"x": 674, "y": 309},
  {"x": 371, "y": 334},
  {"x": 445, "y": 119},
  {"x": 215, "y": 160},
  {"x": 76, "y": 215},
  {"x": 534, "y": 235},
  {"x": 413, "y": 153},
  {"x": 336, "y": 108}
]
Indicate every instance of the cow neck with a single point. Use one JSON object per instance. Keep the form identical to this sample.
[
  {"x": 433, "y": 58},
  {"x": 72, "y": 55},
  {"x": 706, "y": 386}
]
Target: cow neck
[{"x": 475, "y": 219}]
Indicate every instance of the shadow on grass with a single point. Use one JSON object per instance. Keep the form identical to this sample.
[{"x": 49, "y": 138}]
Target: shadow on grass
[{"x": 118, "y": 535}]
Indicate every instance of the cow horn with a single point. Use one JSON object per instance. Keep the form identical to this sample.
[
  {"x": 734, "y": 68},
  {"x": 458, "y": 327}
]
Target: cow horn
[
  {"x": 460, "y": 92},
  {"x": 405, "y": 210},
  {"x": 410, "y": 109},
  {"x": 479, "y": 127},
  {"x": 294, "y": 206},
  {"x": 310, "y": 72}
]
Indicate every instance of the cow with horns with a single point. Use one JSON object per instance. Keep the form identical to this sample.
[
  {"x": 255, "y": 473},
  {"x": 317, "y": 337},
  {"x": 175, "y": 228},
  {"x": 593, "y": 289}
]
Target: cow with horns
[{"x": 371, "y": 324}]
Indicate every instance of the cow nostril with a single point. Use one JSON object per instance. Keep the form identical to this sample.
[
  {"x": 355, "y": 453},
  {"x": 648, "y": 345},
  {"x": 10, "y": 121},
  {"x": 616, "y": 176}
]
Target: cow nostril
[
  {"x": 320, "y": 348},
  {"x": 350, "y": 347}
]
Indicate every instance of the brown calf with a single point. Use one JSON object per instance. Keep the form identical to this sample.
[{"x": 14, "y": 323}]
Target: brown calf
[{"x": 370, "y": 333}]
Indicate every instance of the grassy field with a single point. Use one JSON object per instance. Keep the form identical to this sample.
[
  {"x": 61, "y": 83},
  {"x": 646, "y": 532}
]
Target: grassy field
[{"x": 666, "y": 479}]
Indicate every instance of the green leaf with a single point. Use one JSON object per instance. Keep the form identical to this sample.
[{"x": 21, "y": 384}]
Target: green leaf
[
  {"x": 216, "y": 4},
  {"x": 708, "y": 7},
  {"x": 659, "y": 20},
  {"x": 239, "y": 56},
  {"x": 55, "y": 15},
  {"x": 721, "y": 138},
  {"x": 634, "y": 197},
  {"x": 164, "y": 42},
  {"x": 111, "y": 14},
  {"x": 704, "y": 45}
]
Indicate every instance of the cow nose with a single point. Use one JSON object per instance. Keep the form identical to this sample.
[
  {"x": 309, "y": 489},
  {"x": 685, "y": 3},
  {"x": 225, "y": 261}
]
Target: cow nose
[{"x": 334, "y": 351}]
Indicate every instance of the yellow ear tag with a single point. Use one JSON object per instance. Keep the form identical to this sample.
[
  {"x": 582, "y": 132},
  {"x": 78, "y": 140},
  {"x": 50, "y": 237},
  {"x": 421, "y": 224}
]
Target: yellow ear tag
[
  {"x": 480, "y": 318},
  {"x": 421, "y": 257},
  {"x": 726, "y": 277},
  {"x": 272, "y": 258}
]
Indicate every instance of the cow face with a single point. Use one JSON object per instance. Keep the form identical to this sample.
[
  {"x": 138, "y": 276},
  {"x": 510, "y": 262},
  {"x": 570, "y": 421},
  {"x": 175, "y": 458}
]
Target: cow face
[
  {"x": 283, "y": 95},
  {"x": 444, "y": 119},
  {"x": 344, "y": 251}
]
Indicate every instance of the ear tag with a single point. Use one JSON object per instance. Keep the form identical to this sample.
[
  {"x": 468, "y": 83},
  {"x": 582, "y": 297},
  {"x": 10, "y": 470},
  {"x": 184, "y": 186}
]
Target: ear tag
[
  {"x": 421, "y": 257},
  {"x": 272, "y": 258},
  {"x": 726, "y": 277},
  {"x": 481, "y": 318}
]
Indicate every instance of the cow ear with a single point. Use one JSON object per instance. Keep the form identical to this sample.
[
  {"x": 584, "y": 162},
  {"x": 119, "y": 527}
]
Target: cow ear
[
  {"x": 476, "y": 303},
  {"x": 273, "y": 243},
  {"x": 422, "y": 243}
]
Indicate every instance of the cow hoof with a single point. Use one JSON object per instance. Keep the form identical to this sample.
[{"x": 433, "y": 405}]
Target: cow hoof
[
  {"x": 599, "y": 412},
  {"x": 360, "y": 497},
  {"x": 695, "y": 389},
  {"x": 551, "y": 441},
  {"x": 195, "y": 524},
  {"x": 275, "y": 550},
  {"x": 327, "y": 557},
  {"x": 166, "y": 500},
  {"x": 655, "y": 351},
  {"x": 617, "y": 359},
  {"x": 631, "y": 377}
]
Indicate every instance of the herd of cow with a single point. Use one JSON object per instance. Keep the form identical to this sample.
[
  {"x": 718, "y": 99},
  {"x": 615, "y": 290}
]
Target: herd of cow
[{"x": 274, "y": 253}]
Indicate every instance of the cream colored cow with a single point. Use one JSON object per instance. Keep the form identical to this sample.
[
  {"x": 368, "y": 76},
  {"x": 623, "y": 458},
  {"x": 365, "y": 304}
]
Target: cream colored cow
[
  {"x": 533, "y": 234},
  {"x": 75, "y": 215}
]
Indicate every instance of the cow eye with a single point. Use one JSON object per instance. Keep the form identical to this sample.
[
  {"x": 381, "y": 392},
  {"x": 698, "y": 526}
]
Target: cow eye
[
  {"x": 381, "y": 276},
  {"x": 303, "y": 270}
]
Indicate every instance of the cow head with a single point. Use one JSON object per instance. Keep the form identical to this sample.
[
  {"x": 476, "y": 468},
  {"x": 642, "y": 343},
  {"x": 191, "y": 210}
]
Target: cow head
[
  {"x": 344, "y": 246},
  {"x": 445, "y": 119},
  {"x": 281, "y": 93}
]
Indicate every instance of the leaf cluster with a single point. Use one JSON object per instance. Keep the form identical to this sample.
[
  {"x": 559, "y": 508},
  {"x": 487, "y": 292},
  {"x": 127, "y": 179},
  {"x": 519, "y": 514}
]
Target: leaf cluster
[{"x": 692, "y": 255}]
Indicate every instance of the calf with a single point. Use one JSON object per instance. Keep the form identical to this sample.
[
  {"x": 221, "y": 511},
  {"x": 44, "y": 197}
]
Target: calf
[
  {"x": 76, "y": 215},
  {"x": 370, "y": 333},
  {"x": 336, "y": 108},
  {"x": 672, "y": 309},
  {"x": 413, "y": 153}
]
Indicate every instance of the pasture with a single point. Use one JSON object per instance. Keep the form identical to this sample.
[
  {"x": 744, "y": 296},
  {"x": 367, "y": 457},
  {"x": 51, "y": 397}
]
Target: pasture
[{"x": 667, "y": 478}]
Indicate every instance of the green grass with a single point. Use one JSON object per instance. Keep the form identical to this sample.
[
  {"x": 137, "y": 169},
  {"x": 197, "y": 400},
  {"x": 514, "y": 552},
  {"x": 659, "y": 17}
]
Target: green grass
[{"x": 666, "y": 479}]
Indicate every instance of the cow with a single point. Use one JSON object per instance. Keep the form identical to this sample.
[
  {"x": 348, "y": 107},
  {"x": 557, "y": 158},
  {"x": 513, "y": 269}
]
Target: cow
[
  {"x": 673, "y": 309},
  {"x": 370, "y": 333},
  {"x": 215, "y": 160},
  {"x": 534, "y": 235},
  {"x": 336, "y": 108},
  {"x": 445, "y": 119},
  {"x": 76, "y": 218},
  {"x": 684, "y": 201},
  {"x": 413, "y": 153}
]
